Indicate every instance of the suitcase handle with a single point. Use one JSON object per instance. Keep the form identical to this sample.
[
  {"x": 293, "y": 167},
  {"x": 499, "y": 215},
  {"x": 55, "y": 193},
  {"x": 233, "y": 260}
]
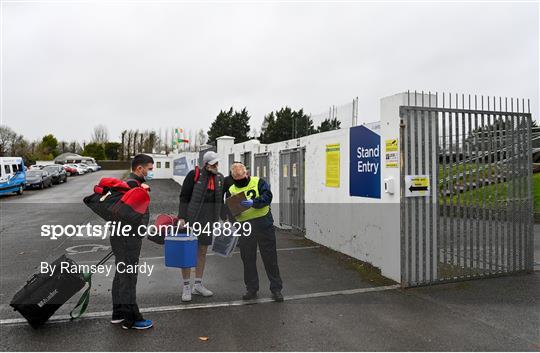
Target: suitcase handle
[
  {"x": 31, "y": 279},
  {"x": 107, "y": 257},
  {"x": 82, "y": 304}
]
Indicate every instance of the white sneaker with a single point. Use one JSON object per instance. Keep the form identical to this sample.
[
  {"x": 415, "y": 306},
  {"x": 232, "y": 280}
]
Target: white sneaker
[
  {"x": 199, "y": 289},
  {"x": 186, "y": 293}
]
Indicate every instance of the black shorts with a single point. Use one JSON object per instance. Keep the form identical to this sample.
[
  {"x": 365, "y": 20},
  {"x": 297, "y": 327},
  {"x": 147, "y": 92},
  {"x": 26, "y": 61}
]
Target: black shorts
[
  {"x": 206, "y": 226},
  {"x": 205, "y": 239}
]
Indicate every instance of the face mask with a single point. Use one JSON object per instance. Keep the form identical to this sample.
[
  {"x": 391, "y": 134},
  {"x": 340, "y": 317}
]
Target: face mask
[
  {"x": 212, "y": 169},
  {"x": 242, "y": 182},
  {"x": 149, "y": 176}
]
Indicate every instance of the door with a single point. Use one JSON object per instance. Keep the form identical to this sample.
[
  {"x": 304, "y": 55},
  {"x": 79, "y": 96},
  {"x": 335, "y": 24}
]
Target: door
[
  {"x": 246, "y": 160},
  {"x": 261, "y": 166},
  {"x": 291, "y": 188},
  {"x": 231, "y": 161}
]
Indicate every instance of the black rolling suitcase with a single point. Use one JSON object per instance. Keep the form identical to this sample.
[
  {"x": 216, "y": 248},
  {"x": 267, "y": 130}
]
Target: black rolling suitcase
[{"x": 43, "y": 294}]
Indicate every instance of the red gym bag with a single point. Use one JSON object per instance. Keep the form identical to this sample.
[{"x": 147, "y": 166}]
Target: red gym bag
[{"x": 114, "y": 200}]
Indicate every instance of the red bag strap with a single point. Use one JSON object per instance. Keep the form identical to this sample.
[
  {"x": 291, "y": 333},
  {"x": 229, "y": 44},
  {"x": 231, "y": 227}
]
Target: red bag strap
[{"x": 197, "y": 174}]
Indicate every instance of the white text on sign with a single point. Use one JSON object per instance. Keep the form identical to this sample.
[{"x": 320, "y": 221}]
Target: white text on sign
[{"x": 367, "y": 166}]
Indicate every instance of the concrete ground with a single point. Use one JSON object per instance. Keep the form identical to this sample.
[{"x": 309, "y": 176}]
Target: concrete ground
[{"x": 328, "y": 306}]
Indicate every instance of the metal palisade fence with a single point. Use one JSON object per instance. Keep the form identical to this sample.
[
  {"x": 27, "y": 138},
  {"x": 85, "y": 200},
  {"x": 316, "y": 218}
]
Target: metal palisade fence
[{"x": 475, "y": 216}]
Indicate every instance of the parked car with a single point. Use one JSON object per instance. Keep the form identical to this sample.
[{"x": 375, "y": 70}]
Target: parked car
[
  {"x": 70, "y": 170},
  {"x": 84, "y": 167},
  {"x": 36, "y": 167},
  {"x": 12, "y": 175},
  {"x": 57, "y": 172},
  {"x": 38, "y": 178},
  {"x": 80, "y": 170},
  {"x": 93, "y": 167}
]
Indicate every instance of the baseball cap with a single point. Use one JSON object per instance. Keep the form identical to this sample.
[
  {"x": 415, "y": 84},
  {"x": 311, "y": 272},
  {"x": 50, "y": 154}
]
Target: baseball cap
[{"x": 210, "y": 157}]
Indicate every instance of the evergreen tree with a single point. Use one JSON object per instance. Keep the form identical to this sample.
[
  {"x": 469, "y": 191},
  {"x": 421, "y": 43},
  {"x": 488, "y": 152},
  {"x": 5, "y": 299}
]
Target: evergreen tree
[
  {"x": 286, "y": 124},
  {"x": 230, "y": 123},
  {"x": 329, "y": 125}
]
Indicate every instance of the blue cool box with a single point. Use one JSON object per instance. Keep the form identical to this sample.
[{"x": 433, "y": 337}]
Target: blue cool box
[{"x": 180, "y": 250}]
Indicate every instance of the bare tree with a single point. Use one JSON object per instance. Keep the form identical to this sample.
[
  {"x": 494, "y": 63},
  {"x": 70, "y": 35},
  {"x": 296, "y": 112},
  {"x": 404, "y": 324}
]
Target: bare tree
[
  {"x": 7, "y": 135},
  {"x": 100, "y": 135},
  {"x": 134, "y": 137},
  {"x": 201, "y": 137},
  {"x": 150, "y": 142},
  {"x": 123, "y": 148},
  {"x": 128, "y": 149}
]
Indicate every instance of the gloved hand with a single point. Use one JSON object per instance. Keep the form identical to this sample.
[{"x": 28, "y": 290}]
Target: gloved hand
[{"x": 247, "y": 203}]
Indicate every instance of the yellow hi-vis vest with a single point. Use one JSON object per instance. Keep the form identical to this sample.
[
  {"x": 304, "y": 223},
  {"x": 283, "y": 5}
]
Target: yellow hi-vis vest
[{"x": 252, "y": 191}]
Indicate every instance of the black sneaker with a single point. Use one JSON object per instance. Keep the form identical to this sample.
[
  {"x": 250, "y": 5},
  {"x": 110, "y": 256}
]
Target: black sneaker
[
  {"x": 250, "y": 295},
  {"x": 117, "y": 319},
  {"x": 277, "y": 296}
]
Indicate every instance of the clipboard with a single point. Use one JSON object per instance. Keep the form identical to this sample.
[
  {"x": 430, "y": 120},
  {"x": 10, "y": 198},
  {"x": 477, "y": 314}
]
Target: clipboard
[{"x": 234, "y": 205}]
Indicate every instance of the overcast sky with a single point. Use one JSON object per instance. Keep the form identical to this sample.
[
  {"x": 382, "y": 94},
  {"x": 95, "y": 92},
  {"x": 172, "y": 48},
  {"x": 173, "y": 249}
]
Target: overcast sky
[{"x": 67, "y": 67}]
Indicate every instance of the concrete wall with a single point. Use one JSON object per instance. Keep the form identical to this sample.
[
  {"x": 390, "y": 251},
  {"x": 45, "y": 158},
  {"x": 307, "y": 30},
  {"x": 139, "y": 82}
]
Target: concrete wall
[{"x": 365, "y": 228}]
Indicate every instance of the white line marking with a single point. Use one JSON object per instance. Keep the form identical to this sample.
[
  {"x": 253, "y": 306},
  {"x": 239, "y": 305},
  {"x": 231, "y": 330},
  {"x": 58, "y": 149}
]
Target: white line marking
[
  {"x": 212, "y": 254},
  {"x": 161, "y": 309}
]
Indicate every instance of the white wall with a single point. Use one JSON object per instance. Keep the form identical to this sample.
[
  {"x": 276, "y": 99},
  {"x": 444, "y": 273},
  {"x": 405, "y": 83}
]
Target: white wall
[
  {"x": 365, "y": 228},
  {"x": 162, "y": 166}
]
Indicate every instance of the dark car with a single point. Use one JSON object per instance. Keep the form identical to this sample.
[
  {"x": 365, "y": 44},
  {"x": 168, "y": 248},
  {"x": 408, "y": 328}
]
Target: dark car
[
  {"x": 38, "y": 179},
  {"x": 57, "y": 173}
]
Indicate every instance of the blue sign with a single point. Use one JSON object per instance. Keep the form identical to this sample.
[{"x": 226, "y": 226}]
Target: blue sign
[
  {"x": 365, "y": 163},
  {"x": 180, "y": 166}
]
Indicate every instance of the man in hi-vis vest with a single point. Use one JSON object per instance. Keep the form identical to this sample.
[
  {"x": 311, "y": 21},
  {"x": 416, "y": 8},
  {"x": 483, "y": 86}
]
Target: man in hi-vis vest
[{"x": 258, "y": 214}]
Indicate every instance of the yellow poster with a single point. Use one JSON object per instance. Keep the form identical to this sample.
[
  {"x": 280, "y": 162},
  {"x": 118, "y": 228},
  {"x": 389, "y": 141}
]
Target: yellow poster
[
  {"x": 392, "y": 145},
  {"x": 391, "y": 155},
  {"x": 332, "y": 165}
]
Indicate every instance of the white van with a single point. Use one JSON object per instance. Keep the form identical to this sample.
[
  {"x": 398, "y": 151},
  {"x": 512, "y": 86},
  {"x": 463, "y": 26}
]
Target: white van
[{"x": 12, "y": 175}]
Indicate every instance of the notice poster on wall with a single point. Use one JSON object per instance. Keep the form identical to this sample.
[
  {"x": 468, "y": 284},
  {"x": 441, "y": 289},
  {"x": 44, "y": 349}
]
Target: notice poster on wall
[
  {"x": 417, "y": 185},
  {"x": 391, "y": 153},
  {"x": 365, "y": 163},
  {"x": 332, "y": 165}
]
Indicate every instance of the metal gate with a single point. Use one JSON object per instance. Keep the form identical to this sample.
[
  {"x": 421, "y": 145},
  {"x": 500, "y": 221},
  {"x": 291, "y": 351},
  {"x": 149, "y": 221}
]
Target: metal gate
[
  {"x": 262, "y": 166},
  {"x": 473, "y": 155},
  {"x": 291, "y": 188}
]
